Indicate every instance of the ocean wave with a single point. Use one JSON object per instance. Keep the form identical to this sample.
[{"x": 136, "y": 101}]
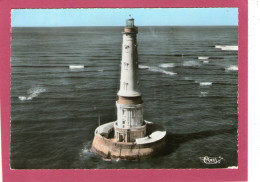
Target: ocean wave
[
  {"x": 23, "y": 98},
  {"x": 191, "y": 63},
  {"x": 143, "y": 66},
  {"x": 232, "y": 68},
  {"x": 203, "y": 94},
  {"x": 33, "y": 92},
  {"x": 167, "y": 65},
  {"x": 76, "y": 68},
  {"x": 227, "y": 47},
  {"x": 206, "y": 62},
  {"x": 156, "y": 69},
  {"x": 204, "y": 83},
  {"x": 203, "y": 57}
]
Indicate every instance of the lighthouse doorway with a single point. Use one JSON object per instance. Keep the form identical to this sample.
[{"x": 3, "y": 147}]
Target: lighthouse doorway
[{"x": 121, "y": 137}]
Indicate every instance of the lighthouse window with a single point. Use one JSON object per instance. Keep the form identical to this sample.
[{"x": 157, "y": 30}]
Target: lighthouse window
[
  {"x": 125, "y": 85},
  {"x": 127, "y": 48},
  {"x": 126, "y": 65}
]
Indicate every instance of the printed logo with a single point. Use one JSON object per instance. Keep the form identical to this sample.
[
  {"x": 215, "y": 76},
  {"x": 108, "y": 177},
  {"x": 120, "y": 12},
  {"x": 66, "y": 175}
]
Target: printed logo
[{"x": 211, "y": 160}]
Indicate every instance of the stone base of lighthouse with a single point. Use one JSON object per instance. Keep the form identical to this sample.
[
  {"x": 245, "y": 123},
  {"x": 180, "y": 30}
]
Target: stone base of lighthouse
[{"x": 105, "y": 145}]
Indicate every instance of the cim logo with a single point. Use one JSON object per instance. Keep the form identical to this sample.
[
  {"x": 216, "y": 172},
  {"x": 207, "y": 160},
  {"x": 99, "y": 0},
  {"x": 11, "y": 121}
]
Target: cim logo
[{"x": 211, "y": 160}]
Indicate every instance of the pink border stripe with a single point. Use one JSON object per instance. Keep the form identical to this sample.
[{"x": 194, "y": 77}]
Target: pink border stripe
[{"x": 239, "y": 174}]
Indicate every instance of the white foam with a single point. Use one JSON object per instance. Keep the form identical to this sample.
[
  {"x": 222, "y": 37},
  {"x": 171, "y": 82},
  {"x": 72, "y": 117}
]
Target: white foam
[
  {"x": 76, "y": 66},
  {"x": 85, "y": 154},
  {"x": 203, "y": 94},
  {"x": 33, "y": 92},
  {"x": 85, "y": 151},
  {"x": 227, "y": 47},
  {"x": 191, "y": 63},
  {"x": 22, "y": 98},
  {"x": 205, "y": 83},
  {"x": 205, "y": 62},
  {"x": 167, "y": 65},
  {"x": 143, "y": 67},
  {"x": 169, "y": 73},
  {"x": 232, "y": 68},
  {"x": 203, "y": 57},
  {"x": 156, "y": 69}
]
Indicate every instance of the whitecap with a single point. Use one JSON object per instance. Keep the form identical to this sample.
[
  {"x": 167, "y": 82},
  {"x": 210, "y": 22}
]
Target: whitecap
[
  {"x": 76, "y": 66},
  {"x": 22, "y": 98},
  {"x": 205, "y": 83},
  {"x": 227, "y": 47},
  {"x": 156, "y": 69},
  {"x": 143, "y": 67},
  {"x": 232, "y": 68},
  {"x": 203, "y": 57},
  {"x": 205, "y": 62},
  {"x": 33, "y": 92},
  {"x": 191, "y": 63},
  {"x": 168, "y": 73},
  {"x": 167, "y": 65}
]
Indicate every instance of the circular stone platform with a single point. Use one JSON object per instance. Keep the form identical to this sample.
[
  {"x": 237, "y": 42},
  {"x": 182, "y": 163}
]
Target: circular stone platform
[{"x": 105, "y": 144}]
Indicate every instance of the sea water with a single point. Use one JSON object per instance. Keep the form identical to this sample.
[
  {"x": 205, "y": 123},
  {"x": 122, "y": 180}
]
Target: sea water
[{"x": 55, "y": 110}]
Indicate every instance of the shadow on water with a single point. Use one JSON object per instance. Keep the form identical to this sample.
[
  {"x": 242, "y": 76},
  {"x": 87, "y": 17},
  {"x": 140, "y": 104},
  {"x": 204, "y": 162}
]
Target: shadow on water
[{"x": 174, "y": 141}]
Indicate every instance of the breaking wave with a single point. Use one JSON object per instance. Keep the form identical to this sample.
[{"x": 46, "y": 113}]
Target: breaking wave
[
  {"x": 167, "y": 65},
  {"x": 33, "y": 92},
  {"x": 232, "y": 68},
  {"x": 143, "y": 67},
  {"x": 156, "y": 69},
  {"x": 204, "y": 83},
  {"x": 191, "y": 63},
  {"x": 227, "y": 47},
  {"x": 206, "y": 62},
  {"x": 203, "y": 57},
  {"x": 76, "y": 66}
]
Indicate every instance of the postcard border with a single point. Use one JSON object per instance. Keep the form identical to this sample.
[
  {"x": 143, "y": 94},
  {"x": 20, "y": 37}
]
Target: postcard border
[{"x": 9, "y": 175}]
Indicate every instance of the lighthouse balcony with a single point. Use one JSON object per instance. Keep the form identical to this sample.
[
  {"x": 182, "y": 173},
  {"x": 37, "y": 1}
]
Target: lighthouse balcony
[
  {"x": 106, "y": 130},
  {"x": 130, "y": 30}
]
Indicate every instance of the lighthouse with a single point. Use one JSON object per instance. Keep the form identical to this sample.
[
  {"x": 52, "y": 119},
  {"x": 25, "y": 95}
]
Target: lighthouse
[
  {"x": 130, "y": 124},
  {"x": 130, "y": 137}
]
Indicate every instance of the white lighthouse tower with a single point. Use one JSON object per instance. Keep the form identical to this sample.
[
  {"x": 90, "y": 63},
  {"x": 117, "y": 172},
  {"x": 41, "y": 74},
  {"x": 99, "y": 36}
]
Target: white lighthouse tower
[
  {"x": 130, "y": 124},
  {"x": 130, "y": 136}
]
